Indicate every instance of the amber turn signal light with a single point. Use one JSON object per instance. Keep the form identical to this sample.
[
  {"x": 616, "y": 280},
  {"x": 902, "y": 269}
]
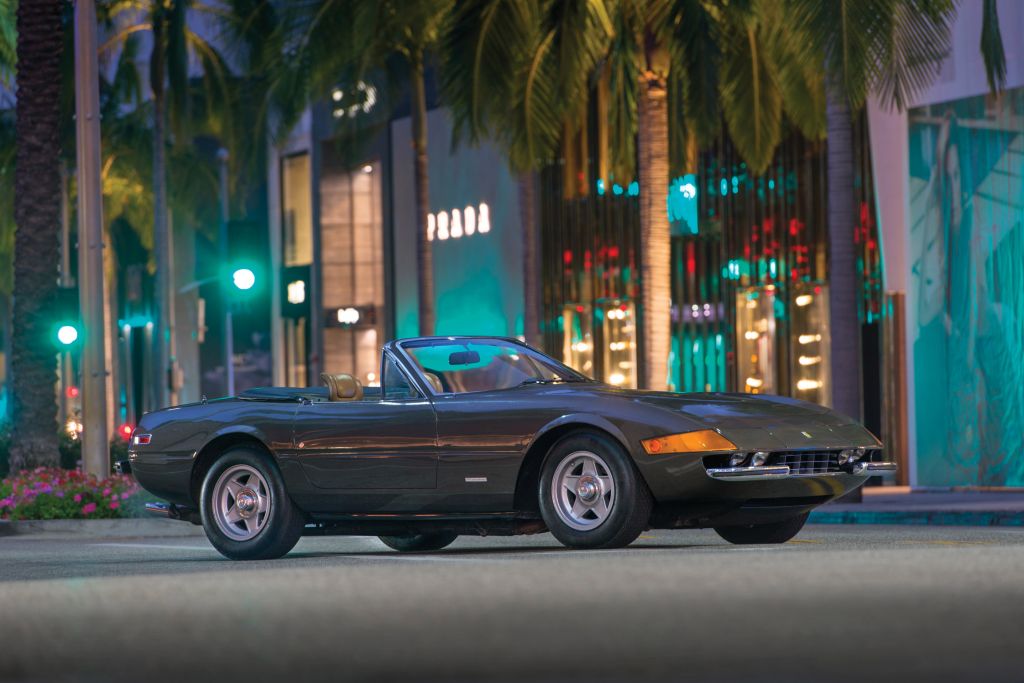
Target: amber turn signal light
[{"x": 690, "y": 442}]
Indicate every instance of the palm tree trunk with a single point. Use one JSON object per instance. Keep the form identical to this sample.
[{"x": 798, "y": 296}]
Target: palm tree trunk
[
  {"x": 424, "y": 256},
  {"x": 37, "y": 205},
  {"x": 531, "y": 258},
  {"x": 161, "y": 236},
  {"x": 842, "y": 220},
  {"x": 655, "y": 238}
]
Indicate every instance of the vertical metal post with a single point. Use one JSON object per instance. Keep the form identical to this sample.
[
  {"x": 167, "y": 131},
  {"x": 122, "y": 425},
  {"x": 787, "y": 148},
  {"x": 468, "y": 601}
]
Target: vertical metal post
[
  {"x": 229, "y": 333},
  {"x": 66, "y": 374},
  {"x": 95, "y": 442}
]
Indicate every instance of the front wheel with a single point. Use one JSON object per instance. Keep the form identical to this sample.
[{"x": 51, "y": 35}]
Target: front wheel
[
  {"x": 591, "y": 495},
  {"x": 776, "y": 532},
  {"x": 419, "y": 542},
  {"x": 246, "y": 511}
]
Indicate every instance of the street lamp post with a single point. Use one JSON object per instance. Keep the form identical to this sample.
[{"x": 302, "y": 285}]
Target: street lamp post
[
  {"x": 95, "y": 444},
  {"x": 229, "y": 342}
]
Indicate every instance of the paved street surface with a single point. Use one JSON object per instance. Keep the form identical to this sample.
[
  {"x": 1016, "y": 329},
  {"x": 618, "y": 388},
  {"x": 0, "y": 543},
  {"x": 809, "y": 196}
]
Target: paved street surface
[{"x": 840, "y": 603}]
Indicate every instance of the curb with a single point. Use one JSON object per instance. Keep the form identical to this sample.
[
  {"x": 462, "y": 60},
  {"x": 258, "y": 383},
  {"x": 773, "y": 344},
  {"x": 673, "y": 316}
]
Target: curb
[
  {"x": 919, "y": 517},
  {"x": 101, "y": 527}
]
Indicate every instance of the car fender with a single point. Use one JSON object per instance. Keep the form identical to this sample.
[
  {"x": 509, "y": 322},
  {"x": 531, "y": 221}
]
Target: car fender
[{"x": 588, "y": 419}]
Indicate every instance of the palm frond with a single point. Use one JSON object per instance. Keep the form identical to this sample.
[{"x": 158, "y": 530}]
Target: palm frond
[
  {"x": 693, "y": 34},
  {"x": 798, "y": 67},
  {"x": 751, "y": 101},
  {"x": 914, "y": 40}
]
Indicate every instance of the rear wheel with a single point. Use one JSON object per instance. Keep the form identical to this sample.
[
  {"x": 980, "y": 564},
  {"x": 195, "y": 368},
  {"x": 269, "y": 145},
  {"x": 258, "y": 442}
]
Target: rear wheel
[
  {"x": 591, "y": 495},
  {"x": 419, "y": 542},
  {"x": 776, "y": 532},
  {"x": 246, "y": 511}
]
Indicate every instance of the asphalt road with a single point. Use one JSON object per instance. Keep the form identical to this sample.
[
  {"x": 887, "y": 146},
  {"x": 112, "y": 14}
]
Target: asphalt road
[{"x": 854, "y": 603}]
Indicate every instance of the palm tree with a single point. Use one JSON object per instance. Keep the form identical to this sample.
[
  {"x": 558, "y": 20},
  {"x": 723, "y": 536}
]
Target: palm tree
[
  {"x": 690, "y": 60},
  {"x": 327, "y": 39},
  {"x": 891, "y": 48},
  {"x": 174, "y": 46},
  {"x": 37, "y": 216}
]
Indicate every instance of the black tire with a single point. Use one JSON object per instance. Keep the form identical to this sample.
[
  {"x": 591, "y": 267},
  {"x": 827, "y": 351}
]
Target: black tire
[
  {"x": 776, "y": 532},
  {"x": 414, "y": 543},
  {"x": 284, "y": 524},
  {"x": 630, "y": 510}
]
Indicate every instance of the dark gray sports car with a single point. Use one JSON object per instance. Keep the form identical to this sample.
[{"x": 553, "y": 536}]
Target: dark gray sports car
[{"x": 484, "y": 435}]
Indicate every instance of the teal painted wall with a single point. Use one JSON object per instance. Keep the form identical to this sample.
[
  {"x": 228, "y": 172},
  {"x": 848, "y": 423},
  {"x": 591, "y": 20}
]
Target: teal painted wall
[
  {"x": 478, "y": 280},
  {"x": 967, "y": 290}
]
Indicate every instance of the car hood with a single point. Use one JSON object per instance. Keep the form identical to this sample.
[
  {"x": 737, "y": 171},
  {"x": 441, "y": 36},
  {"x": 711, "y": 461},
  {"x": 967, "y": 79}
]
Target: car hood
[{"x": 765, "y": 422}]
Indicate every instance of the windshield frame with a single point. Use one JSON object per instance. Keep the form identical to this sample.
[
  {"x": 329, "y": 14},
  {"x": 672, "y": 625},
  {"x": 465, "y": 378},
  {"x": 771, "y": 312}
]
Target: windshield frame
[{"x": 428, "y": 389}]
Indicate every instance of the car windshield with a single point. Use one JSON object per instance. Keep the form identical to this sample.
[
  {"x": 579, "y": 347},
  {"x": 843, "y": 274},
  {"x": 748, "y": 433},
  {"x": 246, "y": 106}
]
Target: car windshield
[{"x": 464, "y": 365}]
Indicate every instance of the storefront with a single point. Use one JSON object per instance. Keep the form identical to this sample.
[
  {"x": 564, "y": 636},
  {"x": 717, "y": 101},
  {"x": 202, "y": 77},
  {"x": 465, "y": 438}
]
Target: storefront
[
  {"x": 346, "y": 272},
  {"x": 750, "y": 299}
]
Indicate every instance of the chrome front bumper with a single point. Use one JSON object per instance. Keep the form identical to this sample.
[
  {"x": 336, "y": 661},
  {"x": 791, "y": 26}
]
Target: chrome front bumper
[{"x": 773, "y": 472}]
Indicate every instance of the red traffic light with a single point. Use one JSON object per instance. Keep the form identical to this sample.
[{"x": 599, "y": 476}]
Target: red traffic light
[
  {"x": 125, "y": 431},
  {"x": 72, "y": 392}
]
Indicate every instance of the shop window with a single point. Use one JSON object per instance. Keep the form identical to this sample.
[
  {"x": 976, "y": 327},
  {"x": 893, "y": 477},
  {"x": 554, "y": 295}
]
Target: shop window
[
  {"x": 755, "y": 339},
  {"x": 809, "y": 344},
  {"x": 578, "y": 337},
  {"x": 352, "y": 270},
  {"x": 297, "y": 207},
  {"x": 618, "y": 341}
]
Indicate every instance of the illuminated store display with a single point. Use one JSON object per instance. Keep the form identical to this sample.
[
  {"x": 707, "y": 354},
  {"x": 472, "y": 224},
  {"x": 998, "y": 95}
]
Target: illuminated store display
[
  {"x": 618, "y": 342},
  {"x": 809, "y": 365},
  {"x": 578, "y": 337},
  {"x": 755, "y": 339}
]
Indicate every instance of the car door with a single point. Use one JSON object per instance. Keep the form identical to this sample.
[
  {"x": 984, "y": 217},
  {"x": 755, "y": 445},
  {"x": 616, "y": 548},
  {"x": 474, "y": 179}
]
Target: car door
[
  {"x": 481, "y": 439},
  {"x": 382, "y": 442}
]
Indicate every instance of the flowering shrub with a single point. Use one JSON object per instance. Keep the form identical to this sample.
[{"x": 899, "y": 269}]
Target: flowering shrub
[{"x": 53, "y": 493}]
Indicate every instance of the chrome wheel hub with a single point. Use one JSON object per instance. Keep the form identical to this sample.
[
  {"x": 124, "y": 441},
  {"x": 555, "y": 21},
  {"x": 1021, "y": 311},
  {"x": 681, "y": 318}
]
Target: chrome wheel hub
[
  {"x": 583, "y": 491},
  {"x": 588, "y": 488},
  {"x": 241, "y": 502}
]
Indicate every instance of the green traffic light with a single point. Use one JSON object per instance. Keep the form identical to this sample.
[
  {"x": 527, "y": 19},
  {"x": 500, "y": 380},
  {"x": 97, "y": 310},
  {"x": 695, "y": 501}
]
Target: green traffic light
[
  {"x": 67, "y": 335},
  {"x": 243, "y": 278}
]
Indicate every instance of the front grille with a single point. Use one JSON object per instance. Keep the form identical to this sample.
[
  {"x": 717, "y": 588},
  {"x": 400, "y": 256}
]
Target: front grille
[{"x": 807, "y": 462}]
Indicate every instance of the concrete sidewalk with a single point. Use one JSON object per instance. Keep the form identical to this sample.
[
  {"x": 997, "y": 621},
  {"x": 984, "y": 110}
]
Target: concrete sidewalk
[{"x": 901, "y": 505}]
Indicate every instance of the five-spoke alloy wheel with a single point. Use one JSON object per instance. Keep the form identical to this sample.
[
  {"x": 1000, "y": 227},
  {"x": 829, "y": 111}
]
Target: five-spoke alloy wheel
[
  {"x": 583, "y": 492},
  {"x": 246, "y": 511},
  {"x": 591, "y": 495}
]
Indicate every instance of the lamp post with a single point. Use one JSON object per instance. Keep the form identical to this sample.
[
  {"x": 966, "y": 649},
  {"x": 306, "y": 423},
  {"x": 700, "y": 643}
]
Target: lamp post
[
  {"x": 95, "y": 444},
  {"x": 229, "y": 341}
]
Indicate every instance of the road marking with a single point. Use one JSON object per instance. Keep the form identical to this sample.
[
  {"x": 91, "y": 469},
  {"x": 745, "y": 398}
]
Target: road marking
[
  {"x": 153, "y": 545},
  {"x": 804, "y": 540}
]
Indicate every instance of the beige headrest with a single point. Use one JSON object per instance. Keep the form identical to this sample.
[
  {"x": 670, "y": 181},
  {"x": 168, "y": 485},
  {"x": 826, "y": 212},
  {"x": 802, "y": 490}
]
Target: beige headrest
[
  {"x": 342, "y": 387},
  {"x": 435, "y": 382}
]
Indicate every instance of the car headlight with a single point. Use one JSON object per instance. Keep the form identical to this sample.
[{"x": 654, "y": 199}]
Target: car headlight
[
  {"x": 689, "y": 442},
  {"x": 737, "y": 459},
  {"x": 847, "y": 455},
  {"x": 759, "y": 458}
]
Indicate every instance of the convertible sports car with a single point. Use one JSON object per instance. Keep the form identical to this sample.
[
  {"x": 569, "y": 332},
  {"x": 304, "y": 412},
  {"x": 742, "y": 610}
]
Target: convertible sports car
[{"x": 485, "y": 435}]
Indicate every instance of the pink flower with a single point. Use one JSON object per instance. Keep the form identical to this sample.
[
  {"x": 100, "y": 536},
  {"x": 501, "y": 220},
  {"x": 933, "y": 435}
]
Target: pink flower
[
  {"x": 88, "y": 508},
  {"x": 78, "y": 497},
  {"x": 125, "y": 496},
  {"x": 60, "y": 494},
  {"x": 6, "y": 502},
  {"x": 114, "y": 505},
  {"x": 106, "y": 491}
]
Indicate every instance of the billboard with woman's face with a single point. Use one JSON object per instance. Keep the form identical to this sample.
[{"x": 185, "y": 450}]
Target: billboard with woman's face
[{"x": 967, "y": 290}]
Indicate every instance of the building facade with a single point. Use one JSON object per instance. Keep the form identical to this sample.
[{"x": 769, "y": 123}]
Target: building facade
[{"x": 951, "y": 183}]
